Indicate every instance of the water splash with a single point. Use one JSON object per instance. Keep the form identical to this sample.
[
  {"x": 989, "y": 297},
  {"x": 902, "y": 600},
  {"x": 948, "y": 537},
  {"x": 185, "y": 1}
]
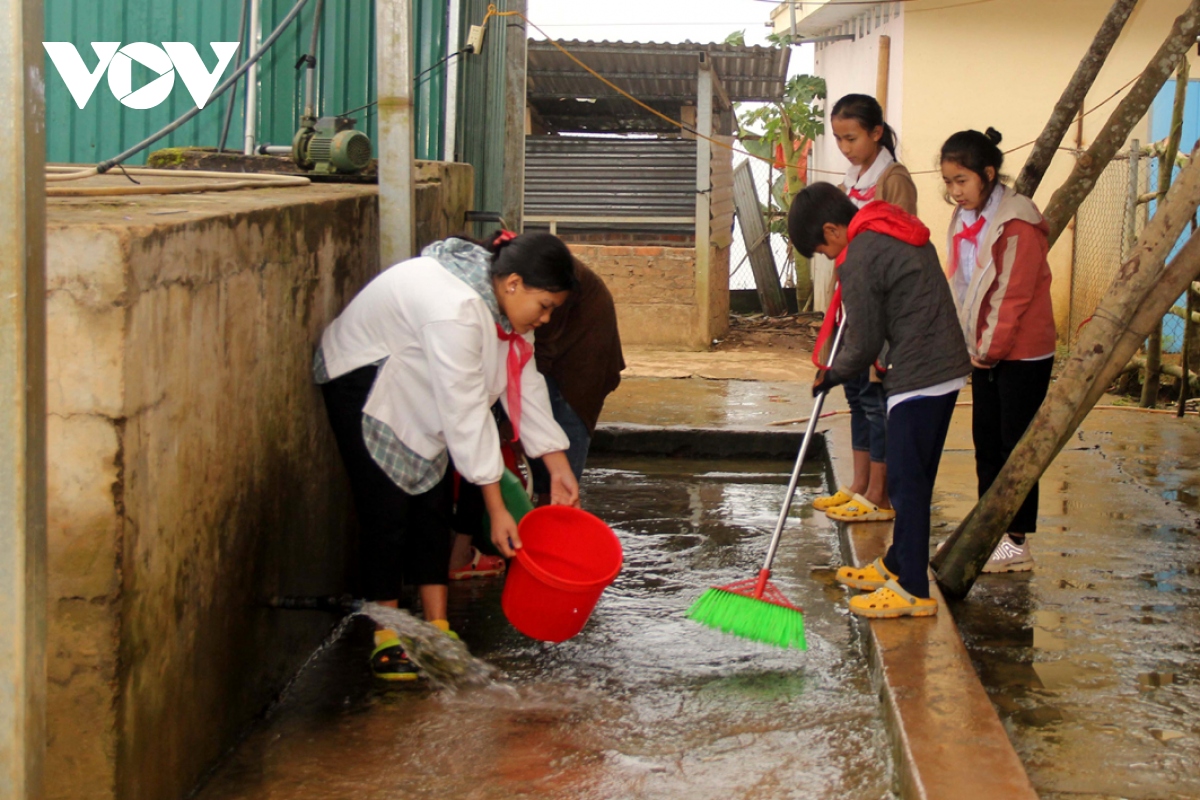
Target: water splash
[{"x": 446, "y": 662}]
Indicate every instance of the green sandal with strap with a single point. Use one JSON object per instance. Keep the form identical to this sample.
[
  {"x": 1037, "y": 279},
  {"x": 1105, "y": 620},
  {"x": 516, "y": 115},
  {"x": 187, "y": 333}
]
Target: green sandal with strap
[{"x": 389, "y": 662}]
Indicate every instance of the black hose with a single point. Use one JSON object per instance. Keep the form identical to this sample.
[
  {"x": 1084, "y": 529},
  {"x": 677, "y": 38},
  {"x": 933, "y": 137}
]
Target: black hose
[
  {"x": 233, "y": 97},
  {"x": 105, "y": 166}
]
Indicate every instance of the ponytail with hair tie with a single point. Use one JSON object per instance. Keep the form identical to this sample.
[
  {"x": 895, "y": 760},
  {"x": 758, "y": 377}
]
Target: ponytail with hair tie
[{"x": 501, "y": 238}]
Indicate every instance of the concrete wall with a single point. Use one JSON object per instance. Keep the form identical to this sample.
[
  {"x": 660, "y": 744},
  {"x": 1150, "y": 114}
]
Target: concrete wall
[{"x": 192, "y": 471}]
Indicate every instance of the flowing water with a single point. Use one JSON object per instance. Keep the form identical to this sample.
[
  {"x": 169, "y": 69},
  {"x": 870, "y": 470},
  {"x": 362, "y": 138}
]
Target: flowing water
[{"x": 642, "y": 704}]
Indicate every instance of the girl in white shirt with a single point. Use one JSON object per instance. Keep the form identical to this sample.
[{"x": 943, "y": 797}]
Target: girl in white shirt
[{"x": 410, "y": 370}]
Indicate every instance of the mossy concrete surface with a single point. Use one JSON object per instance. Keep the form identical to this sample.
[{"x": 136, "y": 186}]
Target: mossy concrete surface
[{"x": 191, "y": 468}]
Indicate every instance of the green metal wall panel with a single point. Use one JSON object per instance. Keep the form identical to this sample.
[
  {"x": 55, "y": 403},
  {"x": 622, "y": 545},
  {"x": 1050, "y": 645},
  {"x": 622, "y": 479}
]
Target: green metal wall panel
[
  {"x": 429, "y": 95},
  {"x": 346, "y": 63},
  {"x": 480, "y": 130}
]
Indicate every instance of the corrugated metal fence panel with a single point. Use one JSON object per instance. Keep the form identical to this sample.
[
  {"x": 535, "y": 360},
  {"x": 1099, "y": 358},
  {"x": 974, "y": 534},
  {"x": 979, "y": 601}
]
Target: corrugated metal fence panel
[
  {"x": 576, "y": 176},
  {"x": 104, "y": 127},
  {"x": 346, "y": 62},
  {"x": 480, "y": 134},
  {"x": 429, "y": 96}
]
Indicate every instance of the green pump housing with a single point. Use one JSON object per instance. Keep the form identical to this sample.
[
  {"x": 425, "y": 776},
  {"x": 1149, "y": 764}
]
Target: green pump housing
[{"x": 331, "y": 146}]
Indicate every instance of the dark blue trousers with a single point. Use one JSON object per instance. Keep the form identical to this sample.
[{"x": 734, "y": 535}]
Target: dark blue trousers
[{"x": 916, "y": 431}]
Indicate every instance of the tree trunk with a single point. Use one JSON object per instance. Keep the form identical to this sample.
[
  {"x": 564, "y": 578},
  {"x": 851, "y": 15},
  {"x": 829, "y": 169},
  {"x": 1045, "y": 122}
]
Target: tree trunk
[
  {"x": 1151, "y": 376},
  {"x": 1072, "y": 98},
  {"x": 1129, "y": 112},
  {"x": 1141, "y": 292}
]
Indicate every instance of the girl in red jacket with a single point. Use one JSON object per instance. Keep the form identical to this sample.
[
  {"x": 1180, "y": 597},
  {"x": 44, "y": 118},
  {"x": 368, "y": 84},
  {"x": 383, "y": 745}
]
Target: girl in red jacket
[{"x": 1000, "y": 280}]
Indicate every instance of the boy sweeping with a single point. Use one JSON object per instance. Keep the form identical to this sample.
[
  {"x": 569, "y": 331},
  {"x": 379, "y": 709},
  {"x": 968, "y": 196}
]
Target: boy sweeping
[{"x": 893, "y": 292}]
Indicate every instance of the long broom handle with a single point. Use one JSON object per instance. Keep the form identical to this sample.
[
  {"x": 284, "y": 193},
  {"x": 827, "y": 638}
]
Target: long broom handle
[{"x": 791, "y": 490}]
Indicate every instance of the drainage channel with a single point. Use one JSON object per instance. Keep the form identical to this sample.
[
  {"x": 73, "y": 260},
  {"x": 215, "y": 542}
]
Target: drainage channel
[{"x": 643, "y": 703}]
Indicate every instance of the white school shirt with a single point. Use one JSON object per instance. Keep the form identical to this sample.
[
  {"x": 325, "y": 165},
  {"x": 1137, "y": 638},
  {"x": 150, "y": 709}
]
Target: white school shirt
[
  {"x": 967, "y": 251},
  {"x": 857, "y": 179},
  {"x": 445, "y": 367}
]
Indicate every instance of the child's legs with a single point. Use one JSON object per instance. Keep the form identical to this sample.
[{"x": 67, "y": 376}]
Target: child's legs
[
  {"x": 399, "y": 534},
  {"x": 860, "y": 431},
  {"x": 985, "y": 427},
  {"x": 577, "y": 434},
  {"x": 380, "y": 504},
  {"x": 916, "y": 432},
  {"x": 1021, "y": 386},
  {"x": 874, "y": 405},
  {"x": 427, "y": 542}
]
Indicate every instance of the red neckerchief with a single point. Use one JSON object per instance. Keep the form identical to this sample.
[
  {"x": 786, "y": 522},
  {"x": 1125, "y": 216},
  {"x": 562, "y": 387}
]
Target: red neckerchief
[
  {"x": 879, "y": 217},
  {"x": 519, "y": 353},
  {"x": 969, "y": 233},
  {"x": 861, "y": 195}
]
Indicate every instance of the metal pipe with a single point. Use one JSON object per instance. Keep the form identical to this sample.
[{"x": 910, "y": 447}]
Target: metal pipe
[
  {"x": 394, "y": 77},
  {"x": 233, "y": 97},
  {"x": 274, "y": 150},
  {"x": 222, "y": 87},
  {"x": 453, "y": 45},
  {"x": 1131, "y": 204},
  {"x": 22, "y": 400},
  {"x": 310, "y": 82},
  {"x": 251, "y": 129}
]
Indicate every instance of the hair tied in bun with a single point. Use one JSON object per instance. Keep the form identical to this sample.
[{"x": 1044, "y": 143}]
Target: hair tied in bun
[{"x": 993, "y": 135}]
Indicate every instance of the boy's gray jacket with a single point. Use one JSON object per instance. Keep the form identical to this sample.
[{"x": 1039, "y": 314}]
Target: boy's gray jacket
[{"x": 896, "y": 293}]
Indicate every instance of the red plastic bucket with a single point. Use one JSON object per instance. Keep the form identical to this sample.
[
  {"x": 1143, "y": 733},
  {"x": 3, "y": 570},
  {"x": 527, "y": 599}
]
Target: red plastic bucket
[{"x": 567, "y": 558}]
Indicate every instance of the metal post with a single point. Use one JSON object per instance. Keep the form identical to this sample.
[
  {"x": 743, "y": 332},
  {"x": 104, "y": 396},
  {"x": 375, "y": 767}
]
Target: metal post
[
  {"x": 453, "y": 45},
  {"x": 1131, "y": 202},
  {"x": 704, "y": 127},
  {"x": 394, "y": 76},
  {"x": 512, "y": 203},
  {"x": 251, "y": 128},
  {"x": 792, "y": 9},
  {"x": 22, "y": 401}
]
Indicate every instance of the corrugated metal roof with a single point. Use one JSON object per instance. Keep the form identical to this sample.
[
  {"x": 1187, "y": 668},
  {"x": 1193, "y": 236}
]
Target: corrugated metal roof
[
  {"x": 568, "y": 176},
  {"x": 660, "y": 74}
]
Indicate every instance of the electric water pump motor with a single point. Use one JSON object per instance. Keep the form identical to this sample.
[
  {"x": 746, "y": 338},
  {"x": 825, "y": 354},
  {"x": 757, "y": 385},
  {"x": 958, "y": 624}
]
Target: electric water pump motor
[{"x": 331, "y": 146}]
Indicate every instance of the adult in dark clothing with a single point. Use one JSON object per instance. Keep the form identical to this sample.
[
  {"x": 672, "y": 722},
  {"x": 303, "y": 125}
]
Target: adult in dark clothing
[
  {"x": 579, "y": 354},
  {"x": 893, "y": 292}
]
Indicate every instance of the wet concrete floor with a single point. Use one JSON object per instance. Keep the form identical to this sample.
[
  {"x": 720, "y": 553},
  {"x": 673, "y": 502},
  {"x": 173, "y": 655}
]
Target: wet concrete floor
[
  {"x": 1091, "y": 660},
  {"x": 642, "y": 704}
]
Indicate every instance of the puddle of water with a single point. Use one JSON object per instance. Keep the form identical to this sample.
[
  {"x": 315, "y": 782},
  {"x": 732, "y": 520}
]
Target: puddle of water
[
  {"x": 1091, "y": 660},
  {"x": 642, "y": 704}
]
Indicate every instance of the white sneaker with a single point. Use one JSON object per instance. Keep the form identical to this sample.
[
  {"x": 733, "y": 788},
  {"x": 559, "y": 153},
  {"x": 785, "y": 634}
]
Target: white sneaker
[{"x": 1009, "y": 557}]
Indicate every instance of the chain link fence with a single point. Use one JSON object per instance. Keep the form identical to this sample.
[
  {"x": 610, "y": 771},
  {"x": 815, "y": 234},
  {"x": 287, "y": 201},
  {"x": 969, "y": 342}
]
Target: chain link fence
[
  {"x": 1103, "y": 227},
  {"x": 741, "y": 276}
]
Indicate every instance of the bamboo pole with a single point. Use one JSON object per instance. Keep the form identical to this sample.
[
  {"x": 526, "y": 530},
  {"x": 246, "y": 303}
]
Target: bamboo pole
[
  {"x": 1142, "y": 289},
  {"x": 1072, "y": 98},
  {"x": 1132, "y": 108}
]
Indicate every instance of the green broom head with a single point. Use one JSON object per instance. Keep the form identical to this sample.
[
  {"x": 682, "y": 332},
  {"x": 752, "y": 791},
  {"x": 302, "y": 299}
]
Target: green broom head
[{"x": 745, "y": 610}]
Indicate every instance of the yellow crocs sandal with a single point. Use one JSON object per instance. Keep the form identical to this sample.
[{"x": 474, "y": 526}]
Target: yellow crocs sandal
[
  {"x": 889, "y": 601},
  {"x": 860, "y": 509},
  {"x": 872, "y": 576},
  {"x": 838, "y": 498}
]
